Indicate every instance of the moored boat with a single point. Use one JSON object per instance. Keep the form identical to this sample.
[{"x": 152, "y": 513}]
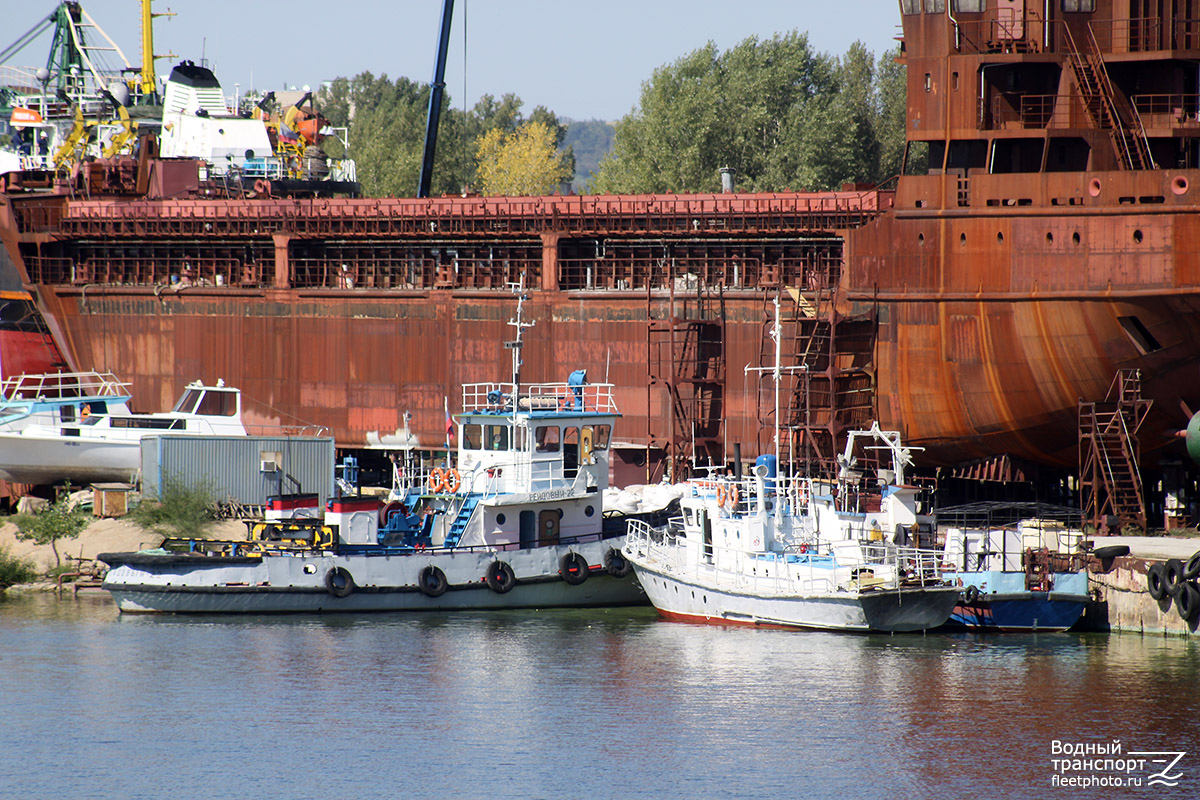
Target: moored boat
[
  {"x": 516, "y": 522},
  {"x": 796, "y": 551},
  {"x": 1027, "y": 577}
]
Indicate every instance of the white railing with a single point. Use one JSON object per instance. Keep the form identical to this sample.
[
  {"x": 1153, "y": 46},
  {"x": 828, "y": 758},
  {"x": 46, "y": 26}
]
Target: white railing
[
  {"x": 593, "y": 398},
  {"x": 63, "y": 385},
  {"x": 862, "y": 565}
]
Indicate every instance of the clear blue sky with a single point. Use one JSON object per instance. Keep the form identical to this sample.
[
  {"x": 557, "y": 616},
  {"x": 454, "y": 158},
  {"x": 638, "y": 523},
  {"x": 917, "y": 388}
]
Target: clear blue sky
[{"x": 581, "y": 59}]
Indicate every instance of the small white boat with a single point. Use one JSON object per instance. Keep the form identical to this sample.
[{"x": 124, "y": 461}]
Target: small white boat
[
  {"x": 797, "y": 552},
  {"x": 517, "y": 523},
  {"x": 77, "y": 426}
]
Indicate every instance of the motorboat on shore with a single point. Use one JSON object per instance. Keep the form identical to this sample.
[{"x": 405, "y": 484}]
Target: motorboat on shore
[
  {"x": 78, "y": 427},
  {"x": 798, "y": 551},
  {"x": 1030, "y": 576},
  {"x": 515, "y": 522}
]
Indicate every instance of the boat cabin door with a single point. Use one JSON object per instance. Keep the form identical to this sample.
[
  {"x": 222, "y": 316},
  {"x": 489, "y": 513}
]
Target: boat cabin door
[
  {"x": 548, "y": 526},
  {"x": 706, "y": 533},
  {"x": 1010, "y": 20},
  {"x": 528, "y": 522}
]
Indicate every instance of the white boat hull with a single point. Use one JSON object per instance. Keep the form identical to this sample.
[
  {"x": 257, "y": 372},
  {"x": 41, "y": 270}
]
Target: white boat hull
[
  {"x": 38, "y": 460},
  {"x": 281, "y": 583},
  {"x": 758, "y": 602}
]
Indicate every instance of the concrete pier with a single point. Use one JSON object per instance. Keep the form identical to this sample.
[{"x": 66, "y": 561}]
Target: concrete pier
[{"x": 1122, "y": 601}]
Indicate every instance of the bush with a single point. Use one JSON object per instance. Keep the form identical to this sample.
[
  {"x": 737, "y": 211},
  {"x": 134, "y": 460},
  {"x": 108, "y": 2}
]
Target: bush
[
  {"x": 14, "y": 570},
  {"x": 180, "y": 511}
]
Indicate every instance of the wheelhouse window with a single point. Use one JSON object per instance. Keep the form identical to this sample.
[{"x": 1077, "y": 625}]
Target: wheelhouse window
[
  {"x": 472, "y": 436},
  {"x": 496, "y": 437},
  {"x": 935, "y": 6},
  {"x": 546, "y": 439},
  {"x": 1086, "y": 6},
  {"x": 970, "y": 6},
  {"x": 910, "y": 6},
  {"x": 600, "y": 440},
  {"x": 218, "y": 404},
  {"x": 187, "y": 403}
]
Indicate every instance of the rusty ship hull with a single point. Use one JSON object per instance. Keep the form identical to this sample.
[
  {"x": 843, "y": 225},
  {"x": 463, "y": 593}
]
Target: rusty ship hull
[{"x": 1043, "y": 237}]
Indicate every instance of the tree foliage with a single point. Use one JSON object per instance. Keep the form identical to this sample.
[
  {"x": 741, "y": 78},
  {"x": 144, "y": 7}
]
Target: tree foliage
[
  {"x": 181, "y": 510},
  {"x": 781, "y": 114},
  {"x": 387, "y": 121},
  {"x": 523, "y": 162},
  {"x": 52, "y": 522}
]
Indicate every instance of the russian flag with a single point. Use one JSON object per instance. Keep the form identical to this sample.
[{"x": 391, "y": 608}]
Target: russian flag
[{"x": 449, "y": 419}]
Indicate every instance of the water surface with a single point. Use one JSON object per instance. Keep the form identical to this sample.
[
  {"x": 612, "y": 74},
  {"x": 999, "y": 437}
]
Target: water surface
[{"x": 566, "y": 704}]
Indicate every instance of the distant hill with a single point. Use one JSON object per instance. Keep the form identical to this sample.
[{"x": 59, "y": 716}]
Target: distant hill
[{"x": 592, "y": 139}]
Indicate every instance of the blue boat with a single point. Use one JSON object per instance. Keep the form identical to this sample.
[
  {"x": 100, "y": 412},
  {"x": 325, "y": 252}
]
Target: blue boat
[
  {"x": 1027, "y": 579},
  {"x": 999, "y": 601}
]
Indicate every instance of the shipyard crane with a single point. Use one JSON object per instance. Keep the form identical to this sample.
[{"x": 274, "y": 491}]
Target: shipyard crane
[{"x": 437, "y": 88}]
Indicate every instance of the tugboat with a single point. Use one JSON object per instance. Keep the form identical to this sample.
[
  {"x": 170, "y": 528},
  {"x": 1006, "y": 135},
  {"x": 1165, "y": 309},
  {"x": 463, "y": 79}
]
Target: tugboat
[{"x": 516, "y": 522}]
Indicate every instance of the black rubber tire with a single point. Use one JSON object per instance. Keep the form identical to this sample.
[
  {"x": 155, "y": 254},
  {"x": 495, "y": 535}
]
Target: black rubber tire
[
  {"x": 432, "y": 581},
  {"x": 1187, "y": 601},
  {"x": 339, "y": 582},
  {"x": 1191, "y": 570},
  {"x": 616, "y": 564},
  {"x": 970, "y": 595},
  {"x": 500, "y": 578},
  {"x": 1173, "y": 575},
  {"x": 1155, "y": 583},
  {"x": 1112, "y": 551},
  {"x": 573, "y": 568}
]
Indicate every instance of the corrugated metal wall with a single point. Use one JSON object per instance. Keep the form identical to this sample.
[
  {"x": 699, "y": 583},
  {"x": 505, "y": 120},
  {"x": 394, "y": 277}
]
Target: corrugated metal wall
[{"x": 232, "y": 467}]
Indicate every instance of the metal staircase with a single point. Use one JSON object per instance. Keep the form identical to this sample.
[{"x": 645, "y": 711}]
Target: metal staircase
[
  {"x": 1107, "y": 107},
  {"x": 686, "y": 363},
  {"x": 827, "y": 377},
  {"x": 1110, "y": 479},
  {"x": 462, "y": 519}
]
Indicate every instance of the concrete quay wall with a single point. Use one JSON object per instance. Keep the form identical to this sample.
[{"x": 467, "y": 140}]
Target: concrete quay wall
[{"x": 1122, "y": 601}]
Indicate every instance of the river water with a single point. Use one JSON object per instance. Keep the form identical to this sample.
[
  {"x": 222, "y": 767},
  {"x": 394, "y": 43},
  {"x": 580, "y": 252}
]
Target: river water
[{"x": 575, "y": 704}]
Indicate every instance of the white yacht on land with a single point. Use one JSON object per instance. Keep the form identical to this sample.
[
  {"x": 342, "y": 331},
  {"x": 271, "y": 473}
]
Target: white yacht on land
[
  {"x": 796, "y": 551},
  {"x": 77, "y": 426},
  {"x": 517, "y": 522}
]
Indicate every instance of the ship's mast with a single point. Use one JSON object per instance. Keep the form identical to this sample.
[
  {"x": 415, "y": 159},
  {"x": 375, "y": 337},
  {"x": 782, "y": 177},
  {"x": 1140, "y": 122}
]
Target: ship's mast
[
  {"x": 516, "y": 345},
  {"x": 149, "y": 82}
]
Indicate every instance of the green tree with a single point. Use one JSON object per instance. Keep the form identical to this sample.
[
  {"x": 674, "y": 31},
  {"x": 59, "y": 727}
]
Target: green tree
[
  {"x": 779, "y": 113},
  {"x": 523, "y": 162},
  {"x": 387, "y": 121},
  {"x": 55, "y": 521}
]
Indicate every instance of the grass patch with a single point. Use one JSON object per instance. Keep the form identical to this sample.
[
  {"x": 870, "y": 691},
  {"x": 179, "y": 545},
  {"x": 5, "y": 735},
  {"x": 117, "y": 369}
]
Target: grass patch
[
  {"x": 185, "y": 511},
  {"x": 14, "y": 570}
]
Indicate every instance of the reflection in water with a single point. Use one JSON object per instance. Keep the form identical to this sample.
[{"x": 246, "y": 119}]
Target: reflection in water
[{"x": 588, "y": 703}]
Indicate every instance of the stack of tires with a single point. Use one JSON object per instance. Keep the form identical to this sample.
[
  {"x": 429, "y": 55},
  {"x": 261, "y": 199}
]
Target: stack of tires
[{"x": 1175, "y": 580}]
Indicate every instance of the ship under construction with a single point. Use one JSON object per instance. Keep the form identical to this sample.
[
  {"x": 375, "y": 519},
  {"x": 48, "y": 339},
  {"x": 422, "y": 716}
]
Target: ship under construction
[{"x": 1026, "y": 293}]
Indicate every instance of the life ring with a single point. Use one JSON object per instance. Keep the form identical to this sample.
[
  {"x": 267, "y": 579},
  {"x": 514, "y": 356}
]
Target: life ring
[
  {"x": 1173, "y": 575},
  {"x": 432, "y": 581},
  {"x": 721, "y": 496},
  {"x": 339, "y": 582},
  {"x": 971, "y": 595},
  {"x": 616, "y": 564},
  {"x": 734, "y": 496},
  {"x": 451, "y": 482},
  {"x": 437, "y": 479},
  {"x": 803, "y": 547},
  {"x": 1155, "y": 583},
  {"x": 1191, "y": 570},
  {"x": 573, "y": 568},
  {"x": 1187, "y": 601},
  {"x": 500, "y": 577}
]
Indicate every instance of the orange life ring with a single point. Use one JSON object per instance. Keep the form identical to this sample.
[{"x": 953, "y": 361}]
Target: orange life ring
[
  {"x": 452, "y": 482},
  {"x": 721, "y": 496},
  {"x": 437, "y": 479},
  {"x": 734, "y": 496}
]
